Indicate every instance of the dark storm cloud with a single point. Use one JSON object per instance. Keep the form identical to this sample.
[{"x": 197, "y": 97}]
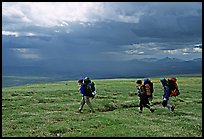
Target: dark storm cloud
[{"x": 103, "y": 31}]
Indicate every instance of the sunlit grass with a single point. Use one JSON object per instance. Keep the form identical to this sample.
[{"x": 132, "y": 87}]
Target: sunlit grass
[{"x": 48, "y": 109}]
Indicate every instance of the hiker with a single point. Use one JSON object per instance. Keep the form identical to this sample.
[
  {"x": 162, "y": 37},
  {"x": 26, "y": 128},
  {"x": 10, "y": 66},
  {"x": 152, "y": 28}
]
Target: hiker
[
  {"x": 85, "y": 96},
  {"x": 149, "y": 89},
  {"x": 166, "y": 96},
  {"x": 144, "y": 102}
]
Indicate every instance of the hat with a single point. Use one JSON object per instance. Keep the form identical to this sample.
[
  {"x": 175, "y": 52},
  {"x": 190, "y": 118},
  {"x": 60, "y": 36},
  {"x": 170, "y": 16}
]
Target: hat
[
  {"x": 139, "y": 81},
  {"x": 80, "y": 81}
]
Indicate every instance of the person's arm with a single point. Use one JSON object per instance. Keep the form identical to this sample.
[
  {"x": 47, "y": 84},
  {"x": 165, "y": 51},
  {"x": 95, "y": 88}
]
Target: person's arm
[
  {"x": 143, "y": 89},
  {"x": 138, "y": 91},
  {"x": 82, "y": 90}
]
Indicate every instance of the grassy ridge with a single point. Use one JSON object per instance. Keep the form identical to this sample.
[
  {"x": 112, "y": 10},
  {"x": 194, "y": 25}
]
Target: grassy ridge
[{"x": 48, "y": 109}]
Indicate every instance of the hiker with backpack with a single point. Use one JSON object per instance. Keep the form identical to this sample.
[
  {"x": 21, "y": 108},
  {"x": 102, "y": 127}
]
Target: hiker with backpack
[
  {"x": 86, "y": 95},
  {"x": 149, "y": 89},
  {"x": 144, "y": 102},
  {"x": 170, "y": 89}
]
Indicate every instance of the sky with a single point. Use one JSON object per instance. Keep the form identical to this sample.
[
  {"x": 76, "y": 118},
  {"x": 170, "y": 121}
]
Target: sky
[{"x": 61, "y": 32}]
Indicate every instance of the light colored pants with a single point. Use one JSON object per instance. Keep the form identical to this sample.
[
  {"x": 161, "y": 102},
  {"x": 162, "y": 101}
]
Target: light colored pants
[
  {"x": 169, "y": 104},
  {"x": 86, "y": 99}
]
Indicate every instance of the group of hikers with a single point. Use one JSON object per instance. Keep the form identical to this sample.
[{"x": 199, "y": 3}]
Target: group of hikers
[{"x": 144, "y": 91}]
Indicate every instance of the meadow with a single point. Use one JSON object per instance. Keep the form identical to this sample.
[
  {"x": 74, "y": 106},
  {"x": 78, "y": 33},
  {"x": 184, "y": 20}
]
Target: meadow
[{"x": 49, "y": 110}]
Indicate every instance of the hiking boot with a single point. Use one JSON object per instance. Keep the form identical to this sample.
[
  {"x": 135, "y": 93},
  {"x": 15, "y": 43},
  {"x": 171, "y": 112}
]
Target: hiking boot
[
  {"x": 152, "y": 110},
  {"x": 172, "y": 108}
]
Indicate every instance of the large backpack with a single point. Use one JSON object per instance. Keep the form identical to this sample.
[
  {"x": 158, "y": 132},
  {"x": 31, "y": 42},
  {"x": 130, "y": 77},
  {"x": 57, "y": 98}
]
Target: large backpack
[
  {"x": 90, "y": 88},
  {"x": 148, "y": 87},
  {"x": 88, "y": 91},
  {"x": 174, "y": 91}
]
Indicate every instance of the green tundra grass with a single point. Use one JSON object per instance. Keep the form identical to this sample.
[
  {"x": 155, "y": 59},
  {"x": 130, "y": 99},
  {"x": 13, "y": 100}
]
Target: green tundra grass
[{"x": 49, "y": 110}]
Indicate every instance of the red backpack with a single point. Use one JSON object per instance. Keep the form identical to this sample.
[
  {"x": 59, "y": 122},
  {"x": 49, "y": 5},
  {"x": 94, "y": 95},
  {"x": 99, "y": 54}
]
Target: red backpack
[{"x": 174, "y": 91}]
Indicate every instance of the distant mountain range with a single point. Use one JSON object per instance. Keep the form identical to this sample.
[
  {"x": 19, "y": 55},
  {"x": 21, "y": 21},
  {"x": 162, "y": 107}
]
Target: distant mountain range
[{"x": 132, "y": 68}]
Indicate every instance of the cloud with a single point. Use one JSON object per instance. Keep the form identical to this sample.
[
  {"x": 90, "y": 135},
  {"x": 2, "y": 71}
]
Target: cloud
[
  {"x": 157, "y": 50},
  {"x": 10, "y": 33},
  {"x": 191, "y": 50},
  {"x": 198, "y": 45},
  {"x": 141, "y": 48},
  {"x": 145, "y": 20},
  {"x": 49, "y": 14},
  {"x": 18, "y": 34},
  {"x": 102, "y": 31},
  {"x": 39, "y": 13},
  {"x": 170, "y": 51},
  {"x": 134, "y": 52},
  {"x": 185, "y": 53},
  {"x": 183, "y": 50},
  {"x": 26, "y": 53},
  {"x": 197, "y": 50}
]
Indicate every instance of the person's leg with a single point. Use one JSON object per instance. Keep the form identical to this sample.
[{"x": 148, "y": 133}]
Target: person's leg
[
  {"x": 150, "y": 99},
  {"x": 82, "y": 104},
  {"x": 87, "y": 100},
  {"x": 141, "y": 106},
  {"x": 147, "y": 105},
  {"x": 169, "y": 105}
]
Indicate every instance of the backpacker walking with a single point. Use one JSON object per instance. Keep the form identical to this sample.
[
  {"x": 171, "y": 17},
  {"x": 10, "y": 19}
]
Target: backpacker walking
[
  {"x": 167, "y": 95},
  {"x": 85, "y": 96},
  {"x": 144, "y": 102}
]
